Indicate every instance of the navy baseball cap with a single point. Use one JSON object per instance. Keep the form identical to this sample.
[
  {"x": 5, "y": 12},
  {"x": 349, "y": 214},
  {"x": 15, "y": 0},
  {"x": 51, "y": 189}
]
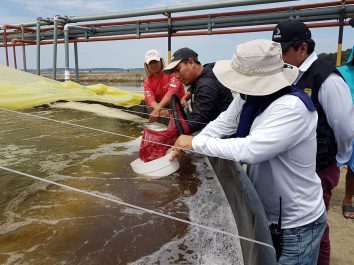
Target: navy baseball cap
[
  {"x": 289, "y": 32},
  {"x": 178, "y": 56},
  {"x": 351, "y": 22}
]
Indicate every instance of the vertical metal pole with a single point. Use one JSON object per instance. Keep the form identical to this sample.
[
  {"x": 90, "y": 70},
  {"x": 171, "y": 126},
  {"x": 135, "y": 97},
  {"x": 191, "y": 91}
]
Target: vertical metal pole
[
  {"x": 340, "y": 35},
  {"x": 5, "y": 45},
  {"x": 76, "y": 63},
  {"x": 169, "y": 36},
  {"x": 55, "y": 46},
  {"x": 23, "y": 50},
  {"x": 66, "y": 45},
  {"x": 38, "y": 46},
  {"x": 14, "y": 52}
]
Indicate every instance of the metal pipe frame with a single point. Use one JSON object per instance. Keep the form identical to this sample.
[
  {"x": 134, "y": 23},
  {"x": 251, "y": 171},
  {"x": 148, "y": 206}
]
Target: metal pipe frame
[
  {"x": 66, "y": 45},
  {"x": 192, "y": 33},
  {"x": 156, "y": 27},
  {"x": 23, "y": 50},
  {"x": 55, "y": 47},
  {"x": 38, "y": 40},
  {"x": 194, "y": 24},
  {"x": 161, "y": 10},
  {"x": 340, "y": 34},
  {"x": 76, "y": 56}
]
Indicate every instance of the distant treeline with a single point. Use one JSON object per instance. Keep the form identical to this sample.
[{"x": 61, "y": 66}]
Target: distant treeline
[{"x": 332, "y": 57}]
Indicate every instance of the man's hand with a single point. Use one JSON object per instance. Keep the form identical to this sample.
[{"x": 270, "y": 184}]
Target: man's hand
[
  {"x": 184, "y": 142},
  {"x": 184, "y": 103},
  {"x": 154, "y": 115},
  {"x": 164, "y": 113}
]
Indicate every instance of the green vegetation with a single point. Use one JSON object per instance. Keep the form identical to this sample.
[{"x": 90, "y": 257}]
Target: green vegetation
[{"x": 332, "y": 57}]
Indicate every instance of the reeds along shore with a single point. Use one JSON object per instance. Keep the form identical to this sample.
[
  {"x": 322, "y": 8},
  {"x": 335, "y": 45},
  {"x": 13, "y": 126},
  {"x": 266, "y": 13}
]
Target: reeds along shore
[{"x": 107, "y": 78}]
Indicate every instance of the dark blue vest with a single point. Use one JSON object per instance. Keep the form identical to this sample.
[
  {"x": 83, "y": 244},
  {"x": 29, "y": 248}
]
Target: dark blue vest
[{"x": 311, "y": 82}]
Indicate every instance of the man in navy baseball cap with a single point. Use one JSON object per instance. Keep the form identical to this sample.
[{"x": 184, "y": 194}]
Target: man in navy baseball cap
[
  {"x": 328, "y": 90},
  {"x": 178, "y": 56},
  {"x": 291, "y": 32}
]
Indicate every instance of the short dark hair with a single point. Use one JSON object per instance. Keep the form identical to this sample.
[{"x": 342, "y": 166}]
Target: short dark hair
[{"x": 310, "y": 43}]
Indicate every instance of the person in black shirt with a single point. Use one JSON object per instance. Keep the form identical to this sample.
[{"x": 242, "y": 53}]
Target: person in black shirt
[{"x": 208, "y": 96}]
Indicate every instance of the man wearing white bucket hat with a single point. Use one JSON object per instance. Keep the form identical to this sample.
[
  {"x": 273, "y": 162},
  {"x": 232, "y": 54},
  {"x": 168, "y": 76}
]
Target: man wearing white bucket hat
[
  {"x": 274, "y": 131},
  {"x": 158, "y": 87}
]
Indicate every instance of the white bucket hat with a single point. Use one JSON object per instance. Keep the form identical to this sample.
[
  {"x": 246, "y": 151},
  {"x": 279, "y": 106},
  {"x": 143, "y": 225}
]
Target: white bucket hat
[
  {"x": 152, "y": 55},
  {"x": 256, "y": 68}
]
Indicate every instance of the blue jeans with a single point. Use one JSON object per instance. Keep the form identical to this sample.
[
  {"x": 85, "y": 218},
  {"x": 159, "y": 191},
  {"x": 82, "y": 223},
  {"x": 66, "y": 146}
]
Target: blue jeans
[{"x": 301, "y": 245}]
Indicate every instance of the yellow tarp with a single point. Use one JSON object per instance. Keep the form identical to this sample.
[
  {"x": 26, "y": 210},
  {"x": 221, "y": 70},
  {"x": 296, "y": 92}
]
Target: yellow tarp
[{"x": 21, "y": 90}]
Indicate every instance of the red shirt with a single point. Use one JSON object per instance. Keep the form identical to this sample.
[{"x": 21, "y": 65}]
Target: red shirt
[{"x": 156, "y": 87}]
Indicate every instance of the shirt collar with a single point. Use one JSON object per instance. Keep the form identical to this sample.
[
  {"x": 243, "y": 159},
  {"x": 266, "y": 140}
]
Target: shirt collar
[
  {"x": 306, "y": 65},
  {"x": 308, "y": 62}
]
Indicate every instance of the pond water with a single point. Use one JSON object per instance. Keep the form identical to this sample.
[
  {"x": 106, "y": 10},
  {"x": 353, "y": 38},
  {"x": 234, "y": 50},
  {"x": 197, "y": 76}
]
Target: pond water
[
  {"x": 139, "y": 89},
  {"x": 42, "y": 223}
]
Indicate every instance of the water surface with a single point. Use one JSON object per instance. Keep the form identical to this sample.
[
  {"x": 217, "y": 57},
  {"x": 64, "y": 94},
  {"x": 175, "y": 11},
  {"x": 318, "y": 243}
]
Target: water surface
[{"x": 42, "y": 223}]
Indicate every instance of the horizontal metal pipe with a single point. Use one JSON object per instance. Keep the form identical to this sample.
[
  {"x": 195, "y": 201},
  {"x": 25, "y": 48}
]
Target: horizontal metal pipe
[
  {"x": 79, "y": 28},
  {"x": 194, "y": 33},
  {"x": 26, "y": 29},
  {"x": 197, "y": 24},
  {"x": 238, "y": 13},
  {"x": 23, "y": 41},
  {"x": 162, "y": 10},
  {"x": 175, "y": 9},
  {"x": 239, "y": 3},
  {"x": 179, "y": 25}
]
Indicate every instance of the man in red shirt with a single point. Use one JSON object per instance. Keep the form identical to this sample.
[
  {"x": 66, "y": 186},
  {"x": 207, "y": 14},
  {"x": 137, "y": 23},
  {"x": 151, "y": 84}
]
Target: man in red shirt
[{"x": 159, "y": 87}]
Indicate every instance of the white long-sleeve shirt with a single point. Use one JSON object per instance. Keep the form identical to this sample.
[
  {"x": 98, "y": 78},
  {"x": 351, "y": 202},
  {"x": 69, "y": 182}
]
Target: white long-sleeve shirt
[
  {"x": 336, "y": 101},
  {"x": 280, "y": 151}
]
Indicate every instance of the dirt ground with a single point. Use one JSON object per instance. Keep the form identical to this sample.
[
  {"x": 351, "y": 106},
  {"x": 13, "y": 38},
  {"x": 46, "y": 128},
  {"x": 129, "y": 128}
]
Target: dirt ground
[{"x": 341, "y": 229}]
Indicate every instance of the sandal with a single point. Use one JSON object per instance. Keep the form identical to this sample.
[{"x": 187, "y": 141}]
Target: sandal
[{"x": 348, "y": 209}]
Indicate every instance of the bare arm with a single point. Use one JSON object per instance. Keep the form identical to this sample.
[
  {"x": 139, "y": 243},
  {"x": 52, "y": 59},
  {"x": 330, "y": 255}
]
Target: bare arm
[
  {"x": 185, "y": 99},
  {"x": 158, "y": 108}
]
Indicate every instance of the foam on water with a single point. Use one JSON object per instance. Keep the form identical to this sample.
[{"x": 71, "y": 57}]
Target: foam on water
[
  {"x": 208, "y": 207},
  {"x": 13, "y": 258},
  {"x": 15, "y": 154},
  {"x": 114, "y": 149},
  {"x": 14, "y": 220},
  {"x": 132, "y": 211},
  {"x": 89, "y": 160}
]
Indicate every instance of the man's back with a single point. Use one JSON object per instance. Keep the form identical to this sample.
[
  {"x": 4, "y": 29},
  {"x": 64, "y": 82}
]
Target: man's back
[
  {"x": 209, "y": 99},
  {"x": 311, "y": 81},
  {"x": 286, "y": 125}
]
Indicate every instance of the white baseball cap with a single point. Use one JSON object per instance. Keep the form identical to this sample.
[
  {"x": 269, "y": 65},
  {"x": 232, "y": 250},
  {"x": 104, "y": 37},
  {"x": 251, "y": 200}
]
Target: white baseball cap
[{"x": 152, "y": 55}]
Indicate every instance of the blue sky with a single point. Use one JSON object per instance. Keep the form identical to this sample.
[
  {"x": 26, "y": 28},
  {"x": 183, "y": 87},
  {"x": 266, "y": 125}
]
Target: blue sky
[{"x": 130, "y": 53}]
